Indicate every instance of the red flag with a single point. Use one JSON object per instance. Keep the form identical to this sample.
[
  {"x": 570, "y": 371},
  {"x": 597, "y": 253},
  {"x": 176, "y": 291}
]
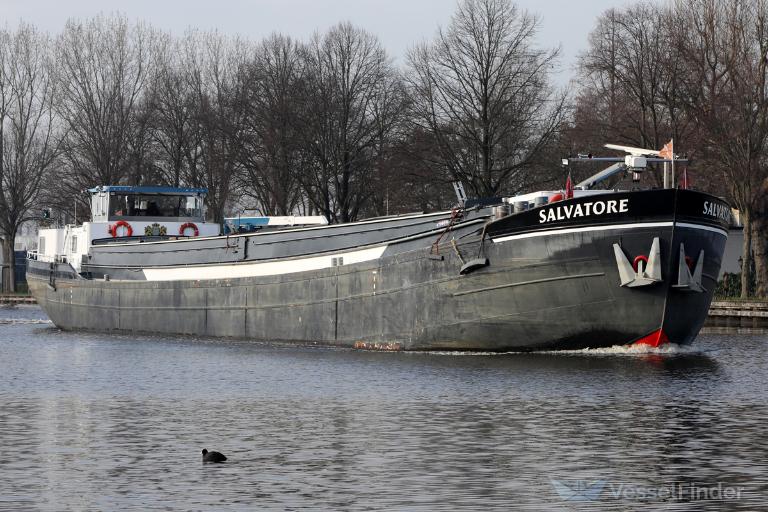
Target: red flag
[
  {"x": 667, "y": 151},
  {"x": 568, "y": 187}
]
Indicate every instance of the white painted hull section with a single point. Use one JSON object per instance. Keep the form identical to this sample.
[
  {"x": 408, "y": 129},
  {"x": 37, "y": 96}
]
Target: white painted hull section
[{"x": 270, "y": 268}]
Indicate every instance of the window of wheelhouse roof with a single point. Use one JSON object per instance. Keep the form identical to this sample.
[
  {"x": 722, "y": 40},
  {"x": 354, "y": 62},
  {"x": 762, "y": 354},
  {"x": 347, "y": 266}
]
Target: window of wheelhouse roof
[{"x": 154, "y": 206}]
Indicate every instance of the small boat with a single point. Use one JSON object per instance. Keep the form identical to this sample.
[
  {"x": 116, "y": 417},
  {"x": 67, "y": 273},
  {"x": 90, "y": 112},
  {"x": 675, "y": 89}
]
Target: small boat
[{"x": 538, "y": 271}]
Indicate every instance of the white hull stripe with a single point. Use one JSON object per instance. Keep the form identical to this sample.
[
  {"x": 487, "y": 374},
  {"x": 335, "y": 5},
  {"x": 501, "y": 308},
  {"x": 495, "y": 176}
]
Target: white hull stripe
[
  {"x": 270, "y": 268},
  {"x": 637, "y": 225},
  {"x": 700, "y": 226}
]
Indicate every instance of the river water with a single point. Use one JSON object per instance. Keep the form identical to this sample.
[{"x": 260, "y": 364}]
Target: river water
[{"x": 114, "y": 422}]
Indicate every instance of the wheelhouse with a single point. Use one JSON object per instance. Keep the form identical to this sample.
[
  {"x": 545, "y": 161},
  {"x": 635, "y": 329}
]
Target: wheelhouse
[{"x": 147, "y": 204}]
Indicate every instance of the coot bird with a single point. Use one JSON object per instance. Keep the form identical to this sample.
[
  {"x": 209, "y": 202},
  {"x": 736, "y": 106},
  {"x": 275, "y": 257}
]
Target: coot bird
[{"x": 213, "y": 456}]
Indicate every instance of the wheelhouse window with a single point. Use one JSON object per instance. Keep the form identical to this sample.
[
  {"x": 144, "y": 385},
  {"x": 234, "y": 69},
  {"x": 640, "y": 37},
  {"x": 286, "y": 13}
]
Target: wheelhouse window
[{"x": 157, "y": 206}]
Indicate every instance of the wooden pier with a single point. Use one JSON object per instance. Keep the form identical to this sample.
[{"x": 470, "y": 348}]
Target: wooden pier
[
  {"x": 13, "y": 300},
  {"x": 738, "y": 313}
]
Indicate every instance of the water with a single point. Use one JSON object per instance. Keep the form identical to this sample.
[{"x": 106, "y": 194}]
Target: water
[{"x": 100, "y": 422}]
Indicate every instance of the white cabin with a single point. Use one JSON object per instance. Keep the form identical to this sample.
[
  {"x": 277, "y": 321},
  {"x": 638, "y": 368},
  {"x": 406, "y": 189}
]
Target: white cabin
[{"x": 128, "y": 213}]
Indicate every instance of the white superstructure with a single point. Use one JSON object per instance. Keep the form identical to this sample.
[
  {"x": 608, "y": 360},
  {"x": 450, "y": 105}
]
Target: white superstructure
[{"x": 125, "y": 213}]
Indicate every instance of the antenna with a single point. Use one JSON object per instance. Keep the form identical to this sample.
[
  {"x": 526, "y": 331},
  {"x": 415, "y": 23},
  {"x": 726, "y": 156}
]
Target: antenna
[
  {"x": 458, "y": 187},
  {"x": 633, "y": 151}
]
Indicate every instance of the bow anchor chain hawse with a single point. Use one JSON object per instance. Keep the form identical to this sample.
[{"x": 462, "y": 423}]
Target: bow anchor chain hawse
[{"x": 648, "y": 270}]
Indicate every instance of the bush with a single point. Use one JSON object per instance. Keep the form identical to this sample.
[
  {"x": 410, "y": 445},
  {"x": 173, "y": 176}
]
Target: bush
[{"x": 729, "y": 287}]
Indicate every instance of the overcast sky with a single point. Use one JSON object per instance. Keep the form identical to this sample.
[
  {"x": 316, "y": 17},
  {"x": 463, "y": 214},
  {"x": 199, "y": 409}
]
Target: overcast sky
[{"x": 398, "y": 23}]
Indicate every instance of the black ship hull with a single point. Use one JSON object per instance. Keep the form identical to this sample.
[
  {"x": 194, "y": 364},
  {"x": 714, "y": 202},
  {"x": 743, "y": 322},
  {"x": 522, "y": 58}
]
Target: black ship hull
[{"x": 544, "y": 279}]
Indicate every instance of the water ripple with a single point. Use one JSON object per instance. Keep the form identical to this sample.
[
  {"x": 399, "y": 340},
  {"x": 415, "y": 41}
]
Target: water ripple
[{"x": 98, "y": 422}]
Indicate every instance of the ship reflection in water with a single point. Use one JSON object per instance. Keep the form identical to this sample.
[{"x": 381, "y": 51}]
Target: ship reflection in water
[{"x": 92, "y": 421}]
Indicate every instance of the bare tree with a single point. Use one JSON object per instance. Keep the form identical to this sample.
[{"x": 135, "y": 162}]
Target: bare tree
[
  {"x": 28, "y": 142},
  {"x": 272, "y": 153},
  {"x": 173, "y": 103},
  {"x": 141, "y": 158},
  {"x": 481, "y": 90},
  {"x": 414, "y": 186},
  {"x": 214, "y": 69},
  {"x": 104, "y": 67},
  {"x": 389, "y": 182},
  {"x": 620, "y": 79},
  {"x": 725, "y": 49},
  {"x": 348, "y": 73},
  {"x": 623, "y": 68},
  {"x": 631, "y": 78}
]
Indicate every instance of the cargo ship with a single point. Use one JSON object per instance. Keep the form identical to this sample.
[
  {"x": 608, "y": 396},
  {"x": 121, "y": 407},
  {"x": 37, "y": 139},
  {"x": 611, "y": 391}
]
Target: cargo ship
[{"x": 549, "y": 270}]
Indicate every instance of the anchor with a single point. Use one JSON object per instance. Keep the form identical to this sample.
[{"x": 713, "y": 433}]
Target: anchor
[
  {"x": 686, "y": 281},
  {"x": 644, "y": 275}
]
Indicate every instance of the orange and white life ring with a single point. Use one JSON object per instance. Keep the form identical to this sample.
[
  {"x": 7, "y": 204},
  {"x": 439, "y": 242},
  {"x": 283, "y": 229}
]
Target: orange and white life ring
[
  {"x": 120, "y": 224},
  {"x": 189, "y": 225},
  {"x": 556, "y": 197}
]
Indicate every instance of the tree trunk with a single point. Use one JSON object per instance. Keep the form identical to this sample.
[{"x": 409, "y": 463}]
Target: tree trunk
[
  {"x": 746, "y": 258},
  {"x": 760, "y": 253},
  {"x": 9, "y": 262},
  {"x": 759, "y": 225}
]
